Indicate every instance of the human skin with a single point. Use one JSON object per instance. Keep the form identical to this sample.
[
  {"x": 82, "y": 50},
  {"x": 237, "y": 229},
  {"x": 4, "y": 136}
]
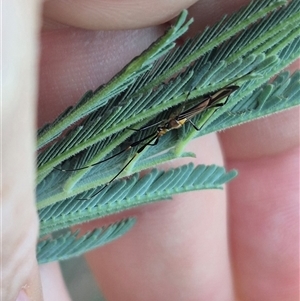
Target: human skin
[{"x": 205, "y": 245}]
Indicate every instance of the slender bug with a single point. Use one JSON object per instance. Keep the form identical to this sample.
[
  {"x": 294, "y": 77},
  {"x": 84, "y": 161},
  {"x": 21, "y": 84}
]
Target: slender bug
[{"x": 174, "y": 122}]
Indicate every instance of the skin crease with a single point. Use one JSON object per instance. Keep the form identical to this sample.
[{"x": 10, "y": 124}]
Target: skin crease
[{"x": 187, "y": 249}]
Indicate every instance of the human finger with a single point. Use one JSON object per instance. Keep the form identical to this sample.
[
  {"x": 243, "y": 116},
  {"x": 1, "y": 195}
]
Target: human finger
[
  {"x": 264, "y": 206},
  {"x": 90, "y": 14},
  {"x": 19, "y": 269}
]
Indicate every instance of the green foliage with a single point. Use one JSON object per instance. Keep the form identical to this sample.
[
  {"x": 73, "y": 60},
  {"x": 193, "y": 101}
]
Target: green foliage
[
  {"x": 245, "y": 49},
  {"x": 70, "y": 244},
  {"x": 126, "y": 194}
]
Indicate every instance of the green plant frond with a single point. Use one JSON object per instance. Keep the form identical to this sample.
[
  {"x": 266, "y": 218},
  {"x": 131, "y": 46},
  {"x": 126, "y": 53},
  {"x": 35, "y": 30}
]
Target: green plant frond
[
  {"x": 70, "y": 244},
  {"x": 61, "y": 185},
  {"x": 246, "y": 104},
  {"x": 125, "y": 194},
  {"x": 125, "y": 111},
  {"x": 120, "y": 82},
  {"x": 195, "y": 48},
  {"x": 95, "y": 129},
  {"x": 271, "y": 32},
  {"x": 102, "y": 126},
  {"x": 289, "y": 53}
]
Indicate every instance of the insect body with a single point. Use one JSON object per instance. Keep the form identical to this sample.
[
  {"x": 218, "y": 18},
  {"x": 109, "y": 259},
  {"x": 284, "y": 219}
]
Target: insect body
[{"x": 207, "y": 102}]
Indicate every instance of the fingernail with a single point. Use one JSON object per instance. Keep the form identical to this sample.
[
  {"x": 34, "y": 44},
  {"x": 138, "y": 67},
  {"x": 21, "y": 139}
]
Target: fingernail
[{"x": 22, "y": 296}]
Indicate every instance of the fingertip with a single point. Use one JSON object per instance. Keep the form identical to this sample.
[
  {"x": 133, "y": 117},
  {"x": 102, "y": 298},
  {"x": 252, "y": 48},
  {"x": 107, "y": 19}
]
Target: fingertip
[{"x": 107, "y": 15}]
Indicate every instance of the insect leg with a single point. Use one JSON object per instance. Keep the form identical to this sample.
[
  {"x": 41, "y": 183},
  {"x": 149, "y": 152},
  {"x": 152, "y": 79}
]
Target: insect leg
[
  {"x": 111, "y": 157},
  {"x": 194, "y": 125},
  {"x": 88, "y": 166},
  {"x": 124, "y": 167},
  {"x": 212, "y": 105}
]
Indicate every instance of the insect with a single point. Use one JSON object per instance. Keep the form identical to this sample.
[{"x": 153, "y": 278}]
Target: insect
[{"x": 175, "y": 121}]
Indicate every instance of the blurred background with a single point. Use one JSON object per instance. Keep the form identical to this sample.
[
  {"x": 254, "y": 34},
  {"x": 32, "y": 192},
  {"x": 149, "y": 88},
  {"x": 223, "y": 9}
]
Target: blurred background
[{"x": 79, "y": 280}]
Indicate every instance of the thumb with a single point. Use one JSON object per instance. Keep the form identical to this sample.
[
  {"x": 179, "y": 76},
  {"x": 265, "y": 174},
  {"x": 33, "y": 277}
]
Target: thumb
[{"x": 19, "y": 219}]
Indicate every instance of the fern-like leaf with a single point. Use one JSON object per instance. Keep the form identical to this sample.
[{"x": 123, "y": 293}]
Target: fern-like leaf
[
  {"x": 125, "y": 194},
  {"x": 70, "y": 244}
]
